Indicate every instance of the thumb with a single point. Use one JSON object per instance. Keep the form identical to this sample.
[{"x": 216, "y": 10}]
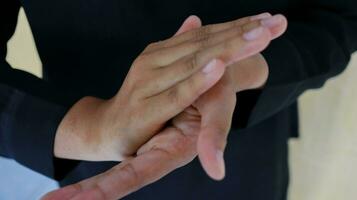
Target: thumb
[{"x": 192, "y": 22}]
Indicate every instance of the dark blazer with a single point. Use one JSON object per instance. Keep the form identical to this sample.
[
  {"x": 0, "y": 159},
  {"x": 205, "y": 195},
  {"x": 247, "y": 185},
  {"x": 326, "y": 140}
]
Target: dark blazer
[{"x": 87, "y": 46}]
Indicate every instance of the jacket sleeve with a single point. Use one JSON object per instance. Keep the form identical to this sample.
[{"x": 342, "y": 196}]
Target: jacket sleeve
[
  {"x": 30, "y": 108},
  {"x": 318, "y": 44}
]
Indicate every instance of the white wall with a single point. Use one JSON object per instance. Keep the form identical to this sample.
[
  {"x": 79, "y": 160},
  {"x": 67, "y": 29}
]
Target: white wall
[{"x": 324, "y": 159}]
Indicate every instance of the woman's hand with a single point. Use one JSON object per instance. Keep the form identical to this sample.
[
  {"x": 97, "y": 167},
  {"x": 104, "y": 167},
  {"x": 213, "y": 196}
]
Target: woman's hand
[{"x": 164, "y": 80}]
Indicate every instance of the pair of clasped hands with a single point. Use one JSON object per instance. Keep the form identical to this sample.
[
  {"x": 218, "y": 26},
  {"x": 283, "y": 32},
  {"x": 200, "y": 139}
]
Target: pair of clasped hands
[{"x": 176, "y": 102}]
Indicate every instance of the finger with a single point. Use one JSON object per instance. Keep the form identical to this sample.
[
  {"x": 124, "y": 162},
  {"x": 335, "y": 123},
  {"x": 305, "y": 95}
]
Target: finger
[
  {"x": 164, "y": 57},
  {"x": 215, "y": 126},
  {"x": 64, "y": 193},
  {"x": 192, "y": 22},
  {"x": 276, "y": 24},
  {"x": 160, "y": 57},
  {"x": 255, "y": 39},
  {"x": 186, "y": 92},
  {"x": 130, "y": 176},
  {"x": 188, "y": 122},
  {"x": 209, "y": 29},
  {"x": 250, "y": 73}
]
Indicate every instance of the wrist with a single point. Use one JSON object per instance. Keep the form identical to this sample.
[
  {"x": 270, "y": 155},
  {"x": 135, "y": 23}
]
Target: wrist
[{"x": 77, "y": 135}]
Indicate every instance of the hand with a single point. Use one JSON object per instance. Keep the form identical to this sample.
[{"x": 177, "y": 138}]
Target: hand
[
  {"x": 217, "y": 105},
  {"x": 164, "y": 80},
  {"x": 173, "y": 147}
]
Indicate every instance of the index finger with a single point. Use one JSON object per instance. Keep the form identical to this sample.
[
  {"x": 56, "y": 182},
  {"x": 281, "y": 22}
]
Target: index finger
[{"x": 204, "y": 31}]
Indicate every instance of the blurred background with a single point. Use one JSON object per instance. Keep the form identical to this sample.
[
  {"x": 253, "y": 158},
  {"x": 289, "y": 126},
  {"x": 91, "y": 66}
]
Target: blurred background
[{"x": 323, "y": 160}]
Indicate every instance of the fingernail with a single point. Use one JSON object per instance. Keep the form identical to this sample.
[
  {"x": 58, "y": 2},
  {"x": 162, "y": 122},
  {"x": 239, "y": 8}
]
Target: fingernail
[
  {"x": 260, "y": 16},
  {"x": 221, "y": 166},
  {"x": 272, "y": 21},
  {"x": 211, "y": 66},
  {"x": 253, "y": 34}
]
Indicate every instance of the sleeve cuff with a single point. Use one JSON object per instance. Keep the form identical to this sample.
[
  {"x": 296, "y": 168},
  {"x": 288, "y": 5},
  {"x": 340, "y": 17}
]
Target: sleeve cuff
[{"x": 28, "y": 127}]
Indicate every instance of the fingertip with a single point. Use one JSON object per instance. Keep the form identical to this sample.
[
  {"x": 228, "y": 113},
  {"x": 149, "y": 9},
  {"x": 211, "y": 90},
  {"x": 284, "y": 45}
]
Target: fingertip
[
  {"x": 221, "y": 169},
  {"x": 211, "y": 158},
  {"x": 281, "y": 29},
  {"x": 192, "y": 22},
  {"x": 284, "y": 25},
  {"x": 213, "y": 164},
  {"x": 278, "y": 25},
  {"x": 195, "y": 20}
]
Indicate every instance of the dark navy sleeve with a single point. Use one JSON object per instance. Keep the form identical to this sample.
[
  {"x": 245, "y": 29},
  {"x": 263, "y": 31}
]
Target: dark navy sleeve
[
  {"x": 27, "y": 129},
  {"x": 30, "y": 109}
]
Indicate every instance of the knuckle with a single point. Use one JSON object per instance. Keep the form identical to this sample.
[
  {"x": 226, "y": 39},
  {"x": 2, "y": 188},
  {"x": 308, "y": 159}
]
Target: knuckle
[
  {"x": 239, "y": 30},
  {"x": 173, "y": 95},
  {"x": 100, "y": 191},
  {"x": 153, "y": 46},
  {"x": 142, "y": 60},
  {"x": 136, "y": 77},
  {"x": 201, "y": 33},
  {"x": 228, "y": 45},
  {"x": 193, "y": 89},
  {"x": 203, "y": 41},
  {"x": 162, "y": 151},
  {"x": 129, "y": 171},
  {"x": 191, "y": 63},
  {"x": 176, "y": 98},
  {"x": 240, "y": 22},
  {"x": 232, "y": 45},
  {"x": 237, "y": 23},
  {"x": 193, "y": 84},
  {"x": 135, "y": 86}
]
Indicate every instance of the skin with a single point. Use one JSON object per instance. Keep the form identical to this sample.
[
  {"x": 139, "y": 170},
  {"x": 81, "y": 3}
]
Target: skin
[
  {"x": 176, "y": 145},
  {"x": 173, "y": 147},
  {"x": 165, "y": 79},
  {"x": 220, "y": 100}
]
